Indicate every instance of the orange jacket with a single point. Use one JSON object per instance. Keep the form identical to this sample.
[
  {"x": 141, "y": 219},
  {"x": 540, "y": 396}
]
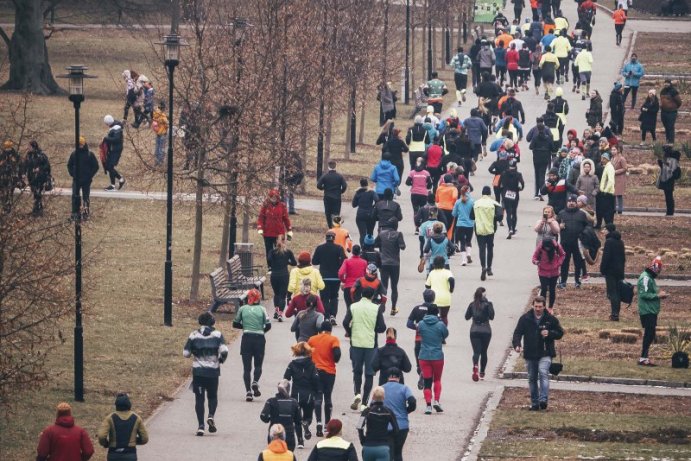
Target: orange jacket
[
  {"x": 446, "y": 196},
  {"x": 619, "y": 17},
  {"x": 506, "y": 38},
  {"x": 342, "y": 238},
  {"x": 534, "y": 4}
]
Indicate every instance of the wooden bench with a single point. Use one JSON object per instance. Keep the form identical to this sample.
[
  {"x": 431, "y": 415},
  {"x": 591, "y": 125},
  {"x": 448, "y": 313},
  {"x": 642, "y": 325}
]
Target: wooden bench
[
  {"x": 237, "y": 278},
  {"x": 222, "y": 293}
]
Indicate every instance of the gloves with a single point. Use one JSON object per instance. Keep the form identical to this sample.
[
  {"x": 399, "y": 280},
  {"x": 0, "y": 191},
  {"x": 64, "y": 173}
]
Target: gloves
[
  {"x": 289, "y": 235},
  {"x": 260, "y": 231}
]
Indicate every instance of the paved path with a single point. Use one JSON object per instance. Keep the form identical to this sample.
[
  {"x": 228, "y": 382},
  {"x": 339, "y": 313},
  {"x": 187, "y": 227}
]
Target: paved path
[{"x": 241, "y": 435}]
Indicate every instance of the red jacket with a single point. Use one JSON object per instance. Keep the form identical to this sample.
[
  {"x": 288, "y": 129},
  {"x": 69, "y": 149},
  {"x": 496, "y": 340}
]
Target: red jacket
[
  {"x": 512, "y": 60},
  {"x": 545, "y": 267},
  {"x": 434, "y": 154},
  {"x": 299, "y": 303},
  {"x": 352, "y": 269},
  {"x": 64, "y": 441},
  {"x": 273, "y": 219}
]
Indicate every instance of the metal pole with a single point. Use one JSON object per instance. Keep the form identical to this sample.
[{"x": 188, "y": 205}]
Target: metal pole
[
  {"x": 233, "y": 228},
  {"x": 353, "y": 101},
  {"x": 447, "y": 43},
  {"x": 429, "y": 46},
  {"x": 168, "y": 268},
  {"x": 406, "y": 78},
  {"x": 78, "y": 329}
]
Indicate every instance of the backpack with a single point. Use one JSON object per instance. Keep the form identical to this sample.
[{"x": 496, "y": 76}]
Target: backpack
[{"x": 626, "y": 292}]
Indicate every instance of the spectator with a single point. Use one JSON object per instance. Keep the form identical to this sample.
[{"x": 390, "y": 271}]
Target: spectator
[
  {"x": 37, "y": 170},
  {"x": 648, "y": 117},
  {"x": 82, "y": 167},
  {"x": 669, "y": 173},
  {"x": 632, "y": 72},
  {"x": 612, "y": 266},
  {"x": 616, "y": 109},
  {"x": 64, "y": 440},
  {"x": 670, "y": 102},
  {"x": 620, "y": 169},
  {"x": 572, "y": 221},
  {"x": 334, "y": 185},
  {"x": 649, "y": 296},
  {"x": 605, "y": 198},
  {"x": 546, "y": 227}
]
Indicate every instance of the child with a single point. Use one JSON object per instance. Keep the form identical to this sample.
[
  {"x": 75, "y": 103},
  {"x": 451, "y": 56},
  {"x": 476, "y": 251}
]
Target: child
[
  {"x": 149, "y": 93},
  {"x": 160, "y": 128}
]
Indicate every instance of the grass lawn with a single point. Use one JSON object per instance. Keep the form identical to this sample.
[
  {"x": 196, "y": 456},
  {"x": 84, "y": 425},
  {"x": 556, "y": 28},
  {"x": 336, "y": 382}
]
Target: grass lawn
[
  {"x": 127, "y": 348},
  {"x": 584, "y": 315},
  {"x": 589, "y": 424}
]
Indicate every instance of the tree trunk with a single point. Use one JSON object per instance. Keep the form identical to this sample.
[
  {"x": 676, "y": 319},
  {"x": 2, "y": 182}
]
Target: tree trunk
[
  {"x": 329, "y": 129},
  {"x": 29, "y": 66},
  {"x": 349, "y": 118},
  {"x": 363, "y": 105}
]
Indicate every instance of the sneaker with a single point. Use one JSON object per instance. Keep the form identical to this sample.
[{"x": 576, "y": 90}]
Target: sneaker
[
  {"x": 437, "y": 407},
  {"x": 417, "y": 231},
  {"x": 543, "y": 405},
  {"x": 645, "y": 363},
  {"x": 121, "y": 183},
  {"x": 483, "y": 276},
  {"x": 212, "y": 424},
  {"x": 301, "y": 445},
  {"x": 561, "y": 285},
  {"x": 293, "y": 213},
  {"x": 280, "y": 318},
  {"x": 394, "y": 311},
  {"x": 476, "y": 377},
  {"x": 255, "y": 389},
  {"x": 470, "y": 260},
  {"x": 363, "y": 407},
  {"x": 306, "y": 431},
  {"x": 583, "y": 97},
  {"x": 356, "y": 402},
  {"x": 428, "y": 410},
  {"x": 578, "y": 284},
  {"x": 614, "y": 318},
  {"x": 249, "y": 397},
  {"x": 501, "y": 223},
  {"x": 276, "y": 314},
  {"x": 200, "y": 432},
  {"x": 110, "y": 188},
  {"x": 332, "y": 319},
  {"x": 320, "y": 431},
  {"x": 508, "y": 237},
  {"x": 489, "y": 271},
  {"x": 534, "y": 408},
  {"x": 482, "y": 375},
  {"x": 585, "y": 278},
  {"x": 421, "y": 383}
]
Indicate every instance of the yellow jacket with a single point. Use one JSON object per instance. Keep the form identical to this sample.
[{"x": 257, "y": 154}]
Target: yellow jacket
[
  {"x": 584, "y": 61},
  {"x": 607, "y": 181},
  {"x": 161, "y": 121},
  {"x": 308, "y": 272},
  {"x": 561, "y": 47}
]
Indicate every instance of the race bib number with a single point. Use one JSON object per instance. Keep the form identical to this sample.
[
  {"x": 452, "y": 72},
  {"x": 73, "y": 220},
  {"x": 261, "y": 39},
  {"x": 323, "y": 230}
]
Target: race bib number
[{"x": 510, "y": 195}]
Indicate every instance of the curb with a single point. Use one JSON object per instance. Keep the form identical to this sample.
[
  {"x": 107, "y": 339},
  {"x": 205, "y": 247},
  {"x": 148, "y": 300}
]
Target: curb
[
  {"x": 604, "y": 380},
  {"x": 647, "y": 209},
  {"x": 634, "y": 276},
  {"x": 479, "y": 434},
  {"x": 659, "y": 18}
]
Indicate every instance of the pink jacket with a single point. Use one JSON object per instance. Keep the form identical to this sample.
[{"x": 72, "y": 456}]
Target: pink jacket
[
  {"x": 545, "y": 267},
  {"x": 418, "y": 181},
  {"x": 352, "y": 269}
]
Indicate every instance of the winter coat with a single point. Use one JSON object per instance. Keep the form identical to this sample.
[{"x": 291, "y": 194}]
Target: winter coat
[
  {"x": 620, "y": 168},
  {"x": 594, "y": 114},
  {"x": 557, "y": 191},
  {"x": 299, "y": 273},
  {"x": 396, "y": 147},
  {"x": 302, "y": 372},
  {"x": 387, "y": 213},
  {"x": 486, "y": 57},
  {"x": 632, "y": 73},
  {"x": 476, "y": 129},
  {"x": 648, "y": 294},
  {"x": 534, "y": 345},
  {"x": 461, "y": 211},
  {"x": 391, "y": 243},
  {"x": 500, "y": 57},
  {"x": 432, "y": 332},
  {"x": 545, "y": 267},
  {"x": 613, "y": 261},
  {"x": 588, "y": 184},
  {"x": 114, "y": 143},
  {"x": 273, "y": 219},
  {"x": 648, "y": 117},
  {"x": 333, "y": 448},
  {"x": 329, "y": 256},
  {"x": 88, "y": 165},
  {"x": 574, "y": 221},
  {"x": 541, "y": 144},
  {"x": 512, "y": 60},
  {"x": 670, "y": 100},
  {"x": 546, "y": 229},
  {"x": 616, "y": 104},
  {"x": 446, "y": 196},
  {"x": 333, "y": 184},
  {"x": 669, "y": 171},
  {"x": 364, "y": 200},
  {"x": 390, "y": 356},
  {"x": 352, "y": 269},
  {"x": 37, "y": 168},
  {"x": 64, "y": 441},
  {"x": 386, "y": 176},
  {"x": 160, "y": 125}
]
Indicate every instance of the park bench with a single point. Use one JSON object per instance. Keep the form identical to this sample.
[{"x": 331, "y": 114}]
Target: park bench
[
  {"x": 222, "y": 293},
  {"x": 243, "y": 277}
]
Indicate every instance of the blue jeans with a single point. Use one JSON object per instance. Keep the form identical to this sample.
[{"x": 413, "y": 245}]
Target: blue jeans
[
  {"x": 376, "y": 453},
  {"x": 538, "y": 367},
  {"x": 160, "y": 147},
  {"x": 290, "y": 201}
]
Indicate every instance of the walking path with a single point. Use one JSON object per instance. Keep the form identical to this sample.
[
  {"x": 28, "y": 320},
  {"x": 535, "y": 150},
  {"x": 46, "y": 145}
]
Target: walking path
[{"x": 241, "y": 434}]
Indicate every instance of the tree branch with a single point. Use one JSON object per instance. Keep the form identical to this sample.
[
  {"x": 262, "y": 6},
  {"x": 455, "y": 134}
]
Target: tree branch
[{"x": 5, "y": 38}]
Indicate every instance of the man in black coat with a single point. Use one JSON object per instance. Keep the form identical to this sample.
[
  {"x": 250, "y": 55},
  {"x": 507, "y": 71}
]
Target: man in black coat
[
  {"x": 572, "y": 221},
  {"x": 114, "y": 141},
  {"x": 329, "y": 257},
  {"x": 539, "y": 330},
  {"x": 612, "y": 266},
  {"x": 334, "y": 185},
  {"x": 541, "y": 143},
  {"x": 82, "y": 167}
]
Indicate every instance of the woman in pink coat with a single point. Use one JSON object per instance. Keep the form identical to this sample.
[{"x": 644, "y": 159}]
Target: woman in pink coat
[{"x": 548, "y": 258}]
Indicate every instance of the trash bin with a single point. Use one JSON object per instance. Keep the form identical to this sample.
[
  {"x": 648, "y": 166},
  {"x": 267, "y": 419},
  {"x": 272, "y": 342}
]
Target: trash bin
[{"x": 244, "y": 251}]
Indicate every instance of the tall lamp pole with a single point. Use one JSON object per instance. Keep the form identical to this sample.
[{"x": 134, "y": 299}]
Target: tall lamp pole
[
  {"x": 171, "y": 51},
  {"x": 429, "y": 46},
  {"x": 406, "y": 87},
  {"x": 76, "y": 75}
]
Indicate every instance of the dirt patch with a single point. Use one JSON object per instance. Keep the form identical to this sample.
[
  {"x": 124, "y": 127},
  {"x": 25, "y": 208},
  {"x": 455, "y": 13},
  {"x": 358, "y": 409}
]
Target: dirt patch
[{"x": 673, "y": 57}]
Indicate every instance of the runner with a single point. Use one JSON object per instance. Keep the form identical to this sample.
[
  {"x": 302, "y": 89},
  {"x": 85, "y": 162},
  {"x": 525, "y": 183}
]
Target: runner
[
  {"x": 208, "y": 349},
  {"x": 435, "y": 90},
  {"x": 122, "y": 430},
  {"x": 390, "y": 356},
  {"x": 511, "y": 184},
  {"x": 329, "y": 257},
  {"x": 342, "y": 236},
  {"x": 613, "y": 268},
  {"x": 481, "y": 311},
  {"x": 464, "y": 225},
  {"x": 441, "y": 281},
  {"x": 364, "y": 200},
  {"x": 391, "y": 242},
  {"x": 416, "y": 138},
  {"x": 584, "y": 64},
  {"x": 334, "y": 186},
  {"x": 273, "y": 221},
  {"x": 549, "y": 64},
  {"x": 254, "y": 322},
  {"x": 619, "y": 17},
  {"x": 284, "y": 410},
  {"x": 306, "y": 385},
  {"x": 334, "y": 447},
  {"x": 400, "y": 400},
  {"x": 438, "y": 245},
  {"x": 305, "y": 270},
  {"x": 373, "y": 428},
  {"x": 562, "y": 48},
  {"x": 278, "y": 448},
  {"x": 486, "y": 213},
  {"x": 421, "y": 182},
  {"x": 326, "y": 353},
  {"x": 461, "y": 63},
  {"x": 352, "y": 269},
  {"x": 432, "y": 333},
  {"x": 279, "y": 260},
  {"x": 307, "y": 321}
]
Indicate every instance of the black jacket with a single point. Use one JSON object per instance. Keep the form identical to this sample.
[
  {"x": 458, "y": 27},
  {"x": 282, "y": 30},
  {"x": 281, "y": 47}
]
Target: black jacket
[
  {"x": 514, "y": 108},
  {"x": 333, "y": 449},
  {"x": 283, "y": 410},
  {"x": 534, "y": 345},
  {"x": 574, "y": 221},
  {"x": 37, "y": 160},
  {"x": 390, "y": 242},
  {"x": 364, "y": 201},
  {"x": 329, "y": 257},
  {"x": 416, "y": 132},
  {"x": 541, "y": 144},
  {"x": 303, "y": 373},
  {"x": 511, "y": 180},
  {"x": 390, "y": 356},
  {"x": 114, "y": 141},
  {"x": 613, "y": 261},
  {"x": 422, "y": 215},
  {"x": 395, "y": 147},
  {"x": 279, "y": 262},
  {"x": 388, "y": 213},
  {"x": 333, "y": 184},
  {"x": 373, "y": 430},
  {"x": 88, "y": 165}
]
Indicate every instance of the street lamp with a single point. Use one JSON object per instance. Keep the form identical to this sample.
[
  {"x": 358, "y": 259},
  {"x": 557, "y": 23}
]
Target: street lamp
[
  {"x": 406, "y": 87},
  {"x": 76, "y": 75},
  {"x": 171, "y": 52},
  {"x": 429, "y": 46}
]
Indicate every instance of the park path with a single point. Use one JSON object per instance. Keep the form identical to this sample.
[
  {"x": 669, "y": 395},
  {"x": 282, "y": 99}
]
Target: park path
[{"x": 241, "y": 434}]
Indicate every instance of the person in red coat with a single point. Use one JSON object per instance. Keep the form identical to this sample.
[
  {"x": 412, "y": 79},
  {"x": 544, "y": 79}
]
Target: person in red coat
[
  {"x": 64, "y": 441},
  {"x": 273, "y": 221},
  {"x": 512, "y": 65}
]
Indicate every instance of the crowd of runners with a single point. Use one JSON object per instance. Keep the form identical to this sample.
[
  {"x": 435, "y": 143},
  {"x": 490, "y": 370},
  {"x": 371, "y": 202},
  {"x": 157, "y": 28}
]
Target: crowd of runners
[{"x": 580, "y": 176}]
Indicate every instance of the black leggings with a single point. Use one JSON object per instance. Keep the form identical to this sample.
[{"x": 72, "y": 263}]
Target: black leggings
[
  {"x": 644, "y": 132},
  {"x": 549, "y": 283},
  {"x": 464, "y": 235},
  {"x": 269, "y": 244},
  {"x": 279, "y": 284},
  {"x": 486, "y": 245},
  {"x": 392, "y": 273},
  {"x": 252, "y": 348},
  {"x": 306, "y": 403},
  {"x": 200, "y": 386},
  {"x": 501, "y": 74},
  {"x": 480, "y": 342},
  {"x": 329, "y": 297},
  {"x": 418, "y": 202},
  {"x": 511, "y": 207},
  {"x": 537, "y": 75},
  {"x": 113, "y": 175},
  {"x": 327, "y": 381},
  {"x": 649, "y": 323},
  {"x": 365, "y": 226},
  {"x": 513, "y": 78}
]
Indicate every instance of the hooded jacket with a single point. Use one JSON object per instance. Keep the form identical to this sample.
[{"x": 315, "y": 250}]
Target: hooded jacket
[
  {"x": 613, "y": 261},
  {"x": 386, "y": 176},
  {"x": 432, "y": 333},
  {"x": 461, "y": 211},
  {"x": 632, "y": 73},
  {"x": 545, "y": 267},
  {"x": 303, "y": 374},
  {"x": 390, "y": 356},
  {"x": 391, "y": 243},
  {"x": 446, "y": 196},
  {"x": 541, "y": 143},
  {"x": 648, "y": 294},
  {"x": 273, "y": 219},
  {"x": 387, "y": 213},
  {"x": 88, "y": 165},
  {"x": 486, "y": 57},
  {"x": 122, "y": 431},
  {"x": 333, "y": 448},
  {"x": 476, "y": 129},
  {"x": 64, "y": 441},
  {"x": 208, "y": 348},
  {"x": 364, "y": 200},
  {"x": 299, "y": 273},
  {"x": 277, "y": 451},
  {"x": 114, "y": 143},
  {"x": 529, "y": 329}
]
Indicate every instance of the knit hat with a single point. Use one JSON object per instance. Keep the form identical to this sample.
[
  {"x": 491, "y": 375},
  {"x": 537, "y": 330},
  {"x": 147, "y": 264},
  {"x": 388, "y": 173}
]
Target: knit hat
[
  {"x": 617, "y": 86},
  {"x": 82, "y": 141},
  {"x": 304, "y": 258},
  {"x": 122, "y": 402},
  {"x": 582, "y": 199},
  {"x": 333, "y": 427},
  {"x": 564, "y": 149},
  {"x": 369, "y": 239},
  {"x": 607, "y": 156},
  {"x": 253, "y": 297},
  {"x": 274, "y": 193},
  {"x": 486, "y": 190},
  {"x": 8, "y": 144},
  {"x": 572, "y": 198},
  {"x": 64, "y": 409},
  {"x": 656, "y": 265},
  {"x": 554, "y": 171},
  {"x": 428, "y": 295},
  {"x": 448, "y": 178},
  {"x": 108, "y": 120},
  {"x": 610, "y": 227},
  {"x": 418, "y": 119},
  {"x": 372, "y": 268},
  {"x": 430, "y": 109}
]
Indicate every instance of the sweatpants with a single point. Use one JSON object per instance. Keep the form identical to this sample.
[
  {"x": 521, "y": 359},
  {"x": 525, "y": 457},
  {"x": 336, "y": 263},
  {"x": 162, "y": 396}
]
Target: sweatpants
[
  {"x": 391, "y": 273},
  {"x": 431, "y": 373},
  {"x": 486, "y": 245},
  {"x": 327, "y": 381},
  {"x": 113, "y": 175},
  {"x": 200, "y": 386},
  {"x": 279, "y": 285},
  {"x": 252, "y": 349},
  {"x": 480, "y": 341}
]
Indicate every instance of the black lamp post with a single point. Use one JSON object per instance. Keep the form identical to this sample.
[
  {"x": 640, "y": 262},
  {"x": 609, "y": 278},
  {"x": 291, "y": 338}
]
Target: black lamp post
[
  {"x": 171, "y": 52},
  {"x": 76, "y": 78},
  {"x": 429, "y": 46},
  {"x": 406, "y": 79}
]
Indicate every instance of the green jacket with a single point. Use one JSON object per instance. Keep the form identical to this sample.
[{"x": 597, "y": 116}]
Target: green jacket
[
  {"x": 485, "y": 213},
  {"x": 253, "y": 318},
  {"x": 436, "y": 88},
  {"x": 648, "y": 299}
]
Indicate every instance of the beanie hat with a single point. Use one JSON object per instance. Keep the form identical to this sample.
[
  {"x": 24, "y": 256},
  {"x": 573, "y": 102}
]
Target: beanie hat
[
  {"x": 656, "y": 265},
  {"x": 607, "y": 156},
  {"x": 8, "y": 144},
  {"x": 582, "y": 199},
  {"x": 486, "y": 190},
  {"x": 108, "y": 120},
  {"x": 610, "y": 227},
  {"x": 430, "y": 109},
  {"x": 372, "y": 268},
  {"x": 559, "y": 91},
  {"x": 554, "y": 171},
  {"x": 64, "y": 409},
  {"x": 428, "y": 295},
  {"x": 304, "y": 258},
  {"x": 274, "y": 193},
  {"x": 418, "y": 119},
  {"x": 369, "y": 239},
  {"x": 572, "y": 198},
  {"x": 253, "y": 297},
  {"x": 82, "y": 141},
  {"x": 122, "y": 402},
  {"x": 333, "y": 427},
  {"x": 617, "y": 86}
]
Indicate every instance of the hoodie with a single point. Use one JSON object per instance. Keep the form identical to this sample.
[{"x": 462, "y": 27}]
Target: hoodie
[
  {"x": 386, "y": 176},
  {"x": 486, "y": 57},
  {"x": 64, "y": 441},
  {"x": 299, "y": 273},
  {"x": 208, "y": 348},
  {"x": 388, "y": 213},
  {"x": 545, "y": 267},
  {"x": 277, "y": 451},
  {"x": 432, "y": 333}
]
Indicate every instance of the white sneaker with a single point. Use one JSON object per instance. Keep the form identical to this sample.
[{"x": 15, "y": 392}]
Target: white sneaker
[
  {"x": 363, "y": 408},
  {"x": 357, "y": 400}
]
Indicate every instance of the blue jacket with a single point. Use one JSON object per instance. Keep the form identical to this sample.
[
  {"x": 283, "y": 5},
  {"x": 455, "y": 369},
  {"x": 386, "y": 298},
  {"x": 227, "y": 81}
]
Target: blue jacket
[
  {"x": 547, "y": 40},
  {"x": 476, "y": 128},
  {"x": 431, "y": 133},
  {"x": 636, "y": 70},
  {"x": 432, "y": 332},
  {"x": 385, "y": 175},
  {"x": 500, "y": 55},
  {"x": 461, "y": 211},
  {"x": 516, "y": 124}
]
